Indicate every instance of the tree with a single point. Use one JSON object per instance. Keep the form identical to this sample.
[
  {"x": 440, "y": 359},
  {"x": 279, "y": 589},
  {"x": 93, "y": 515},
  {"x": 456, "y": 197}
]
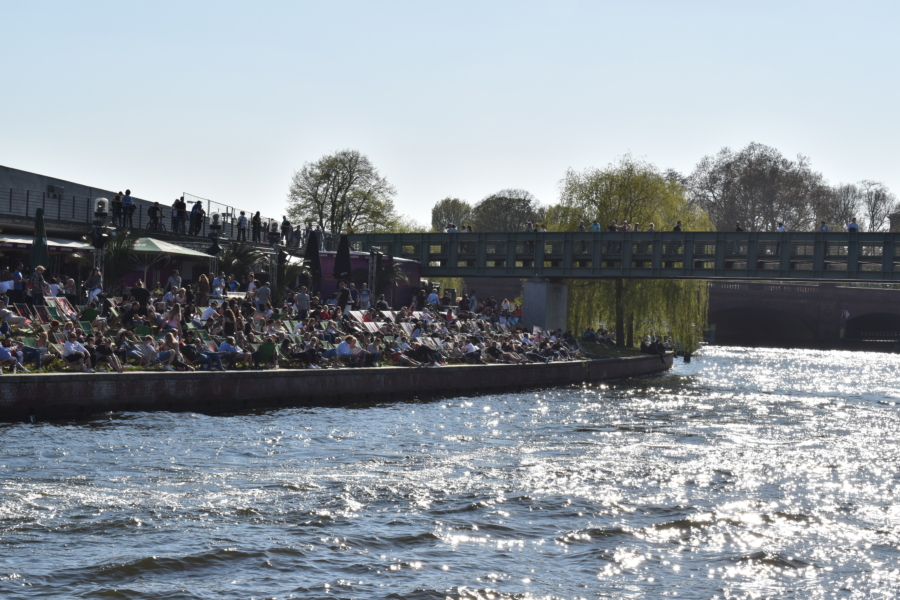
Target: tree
[
  {"x": 340, "y": 190},
  {"x": 450, "y": 210},
  {"x": 637, "y": 191},
  {"x": 759, "y": 188},
  {"x": 870, "y": 202},
  {"x": 878, "y": 204},
  {"x": 289, "y": 267},
  {"x": 842, "y": 203},
  {"x": 507, "y": 210},
  {"x": 238, "y": 259},
  {"x": 118, "y": 259},
  {"x": 404, "y": 224}
]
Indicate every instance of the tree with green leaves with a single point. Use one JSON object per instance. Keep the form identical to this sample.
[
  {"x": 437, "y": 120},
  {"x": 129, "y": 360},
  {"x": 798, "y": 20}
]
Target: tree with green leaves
[
  {"x": 507, "y": 210},
  {"x": 342, "y": 190},
  {"x": 289, "y": 267},
  {"x": 450, "y": 210},
  {"x": 238, "y": 259},
  {"x": 118, "y": 259},
  {"x": 640, "y": 193}
]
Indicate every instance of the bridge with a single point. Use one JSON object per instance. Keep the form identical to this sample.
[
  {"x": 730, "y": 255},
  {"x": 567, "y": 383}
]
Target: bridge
[
  {"x": 808, "y": 314},
  {"x": 840, "y": 256}
]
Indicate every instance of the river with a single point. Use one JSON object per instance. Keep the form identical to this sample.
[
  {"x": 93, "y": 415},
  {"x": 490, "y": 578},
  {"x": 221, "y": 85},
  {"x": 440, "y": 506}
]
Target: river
[{"x": 744, "y": 474}]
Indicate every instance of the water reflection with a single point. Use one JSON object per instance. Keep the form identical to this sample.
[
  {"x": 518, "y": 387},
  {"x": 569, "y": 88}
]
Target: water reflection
[{"x": 745, "y": 474}]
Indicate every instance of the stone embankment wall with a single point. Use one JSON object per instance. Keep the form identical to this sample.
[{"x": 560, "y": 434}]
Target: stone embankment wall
[{"x": 72, "y": 395}]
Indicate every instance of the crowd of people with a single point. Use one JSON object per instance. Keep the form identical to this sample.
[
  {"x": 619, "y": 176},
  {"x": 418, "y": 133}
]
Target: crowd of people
[{"x": 173, "y": 327}]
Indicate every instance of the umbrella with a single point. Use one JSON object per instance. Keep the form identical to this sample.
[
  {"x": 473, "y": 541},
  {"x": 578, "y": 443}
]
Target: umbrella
[
  {"x": 342, "y": 264},
  {"x": 149, "y": 251},
  {"x": 40, "y": 253},
  {"x": 311, "y": 257}
]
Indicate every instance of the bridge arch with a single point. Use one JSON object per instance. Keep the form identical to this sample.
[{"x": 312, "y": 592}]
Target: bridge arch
[
  {"x": 873, "y": 326},
  {"x": 762, "y": 326}
]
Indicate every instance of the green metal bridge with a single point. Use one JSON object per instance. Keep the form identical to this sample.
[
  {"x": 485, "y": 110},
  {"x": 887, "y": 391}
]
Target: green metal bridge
[{"x": 838, "y": 256}]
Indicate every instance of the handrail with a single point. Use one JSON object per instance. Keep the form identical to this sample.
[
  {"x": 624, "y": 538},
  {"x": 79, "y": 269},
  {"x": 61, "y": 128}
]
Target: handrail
[
  {"x": 837, "y": 256},
  {"x": 71, "y": 208}
]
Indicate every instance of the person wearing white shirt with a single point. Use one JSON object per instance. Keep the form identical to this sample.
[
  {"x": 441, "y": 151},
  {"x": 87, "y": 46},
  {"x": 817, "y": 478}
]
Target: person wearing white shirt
[
  {"x": 75, "y": 353},
  {"x": 208, "y": 312},
  {"x": 8, "y": 316},
  {"x": 472, "y": 352},
  {"x": 347, "y": 351}
]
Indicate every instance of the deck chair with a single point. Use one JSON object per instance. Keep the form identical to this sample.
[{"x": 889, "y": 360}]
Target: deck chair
[{"x": 266, "y": 351}]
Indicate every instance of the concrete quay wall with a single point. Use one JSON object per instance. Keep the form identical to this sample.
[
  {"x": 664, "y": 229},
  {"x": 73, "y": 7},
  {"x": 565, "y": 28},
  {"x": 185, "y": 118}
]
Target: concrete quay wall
[{"x": 73, "y": 395}]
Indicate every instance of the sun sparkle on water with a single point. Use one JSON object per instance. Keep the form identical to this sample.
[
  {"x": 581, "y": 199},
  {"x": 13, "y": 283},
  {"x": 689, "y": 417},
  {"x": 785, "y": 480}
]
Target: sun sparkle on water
[{"x": 745, "y": 474}]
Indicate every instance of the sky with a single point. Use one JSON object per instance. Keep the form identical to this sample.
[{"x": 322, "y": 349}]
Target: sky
[{"x": 226, "y": 100}]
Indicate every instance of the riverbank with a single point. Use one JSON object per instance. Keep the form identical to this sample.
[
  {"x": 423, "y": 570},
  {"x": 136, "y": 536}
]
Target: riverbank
[{"x": 76, "y": 395}]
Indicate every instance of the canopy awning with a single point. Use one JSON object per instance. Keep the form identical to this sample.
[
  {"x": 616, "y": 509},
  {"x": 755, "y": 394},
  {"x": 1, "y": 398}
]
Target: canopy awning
[
  {"x": 154, "y": 246},
  {"x": 23, "y": 242}
]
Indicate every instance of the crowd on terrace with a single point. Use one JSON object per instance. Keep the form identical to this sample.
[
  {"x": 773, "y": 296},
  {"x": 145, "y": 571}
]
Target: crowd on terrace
[{"x": 219, "y": 327}]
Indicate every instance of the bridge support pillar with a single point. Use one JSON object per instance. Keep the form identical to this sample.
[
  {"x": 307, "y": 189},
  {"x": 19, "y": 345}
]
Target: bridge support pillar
[{"x": 545, "y": 304}]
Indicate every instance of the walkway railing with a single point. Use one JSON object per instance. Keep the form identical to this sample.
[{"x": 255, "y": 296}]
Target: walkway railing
[
  {"x": 80, "y": 209},
  {"x": 838, "y": 256}
]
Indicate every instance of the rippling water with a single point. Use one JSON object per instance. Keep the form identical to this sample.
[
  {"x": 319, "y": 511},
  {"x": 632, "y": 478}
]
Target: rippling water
[{"x": 746, "y": 474}]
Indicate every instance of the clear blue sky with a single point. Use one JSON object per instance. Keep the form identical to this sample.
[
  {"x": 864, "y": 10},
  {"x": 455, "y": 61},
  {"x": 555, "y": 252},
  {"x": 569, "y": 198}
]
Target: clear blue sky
[{"x": 226, "y": 100}]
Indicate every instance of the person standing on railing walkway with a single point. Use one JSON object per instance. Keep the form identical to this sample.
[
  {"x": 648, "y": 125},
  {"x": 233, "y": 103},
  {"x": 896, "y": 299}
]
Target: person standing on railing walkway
[
  {"x": 182, "y": 212},
  {"x": 853, "y": 226},
  {"x": 197, "y": 214},
  {"x": 117, "y": 210},
  {"x": 176, "y": 215},
  {"x": 285, "y": 229},
  {"x": 127, "y": 209},
  {"x": 242, "y": 227},
  {"x": 257, "y": 228}
]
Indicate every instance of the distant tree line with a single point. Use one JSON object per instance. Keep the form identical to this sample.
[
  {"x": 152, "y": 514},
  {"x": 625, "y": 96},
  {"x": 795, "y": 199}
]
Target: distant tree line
[
  {"x": 506, "y": 210},
  {"x": 759, "y": 188}
]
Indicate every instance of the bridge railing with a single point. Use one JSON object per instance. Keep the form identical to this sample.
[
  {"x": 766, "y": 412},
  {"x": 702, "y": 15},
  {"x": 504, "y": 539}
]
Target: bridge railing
[{"x": 692, "y": 255}]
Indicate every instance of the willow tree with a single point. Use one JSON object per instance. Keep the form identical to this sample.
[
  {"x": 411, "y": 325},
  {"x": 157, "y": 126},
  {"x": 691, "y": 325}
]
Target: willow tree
[{"x": 638, "y": 192}]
